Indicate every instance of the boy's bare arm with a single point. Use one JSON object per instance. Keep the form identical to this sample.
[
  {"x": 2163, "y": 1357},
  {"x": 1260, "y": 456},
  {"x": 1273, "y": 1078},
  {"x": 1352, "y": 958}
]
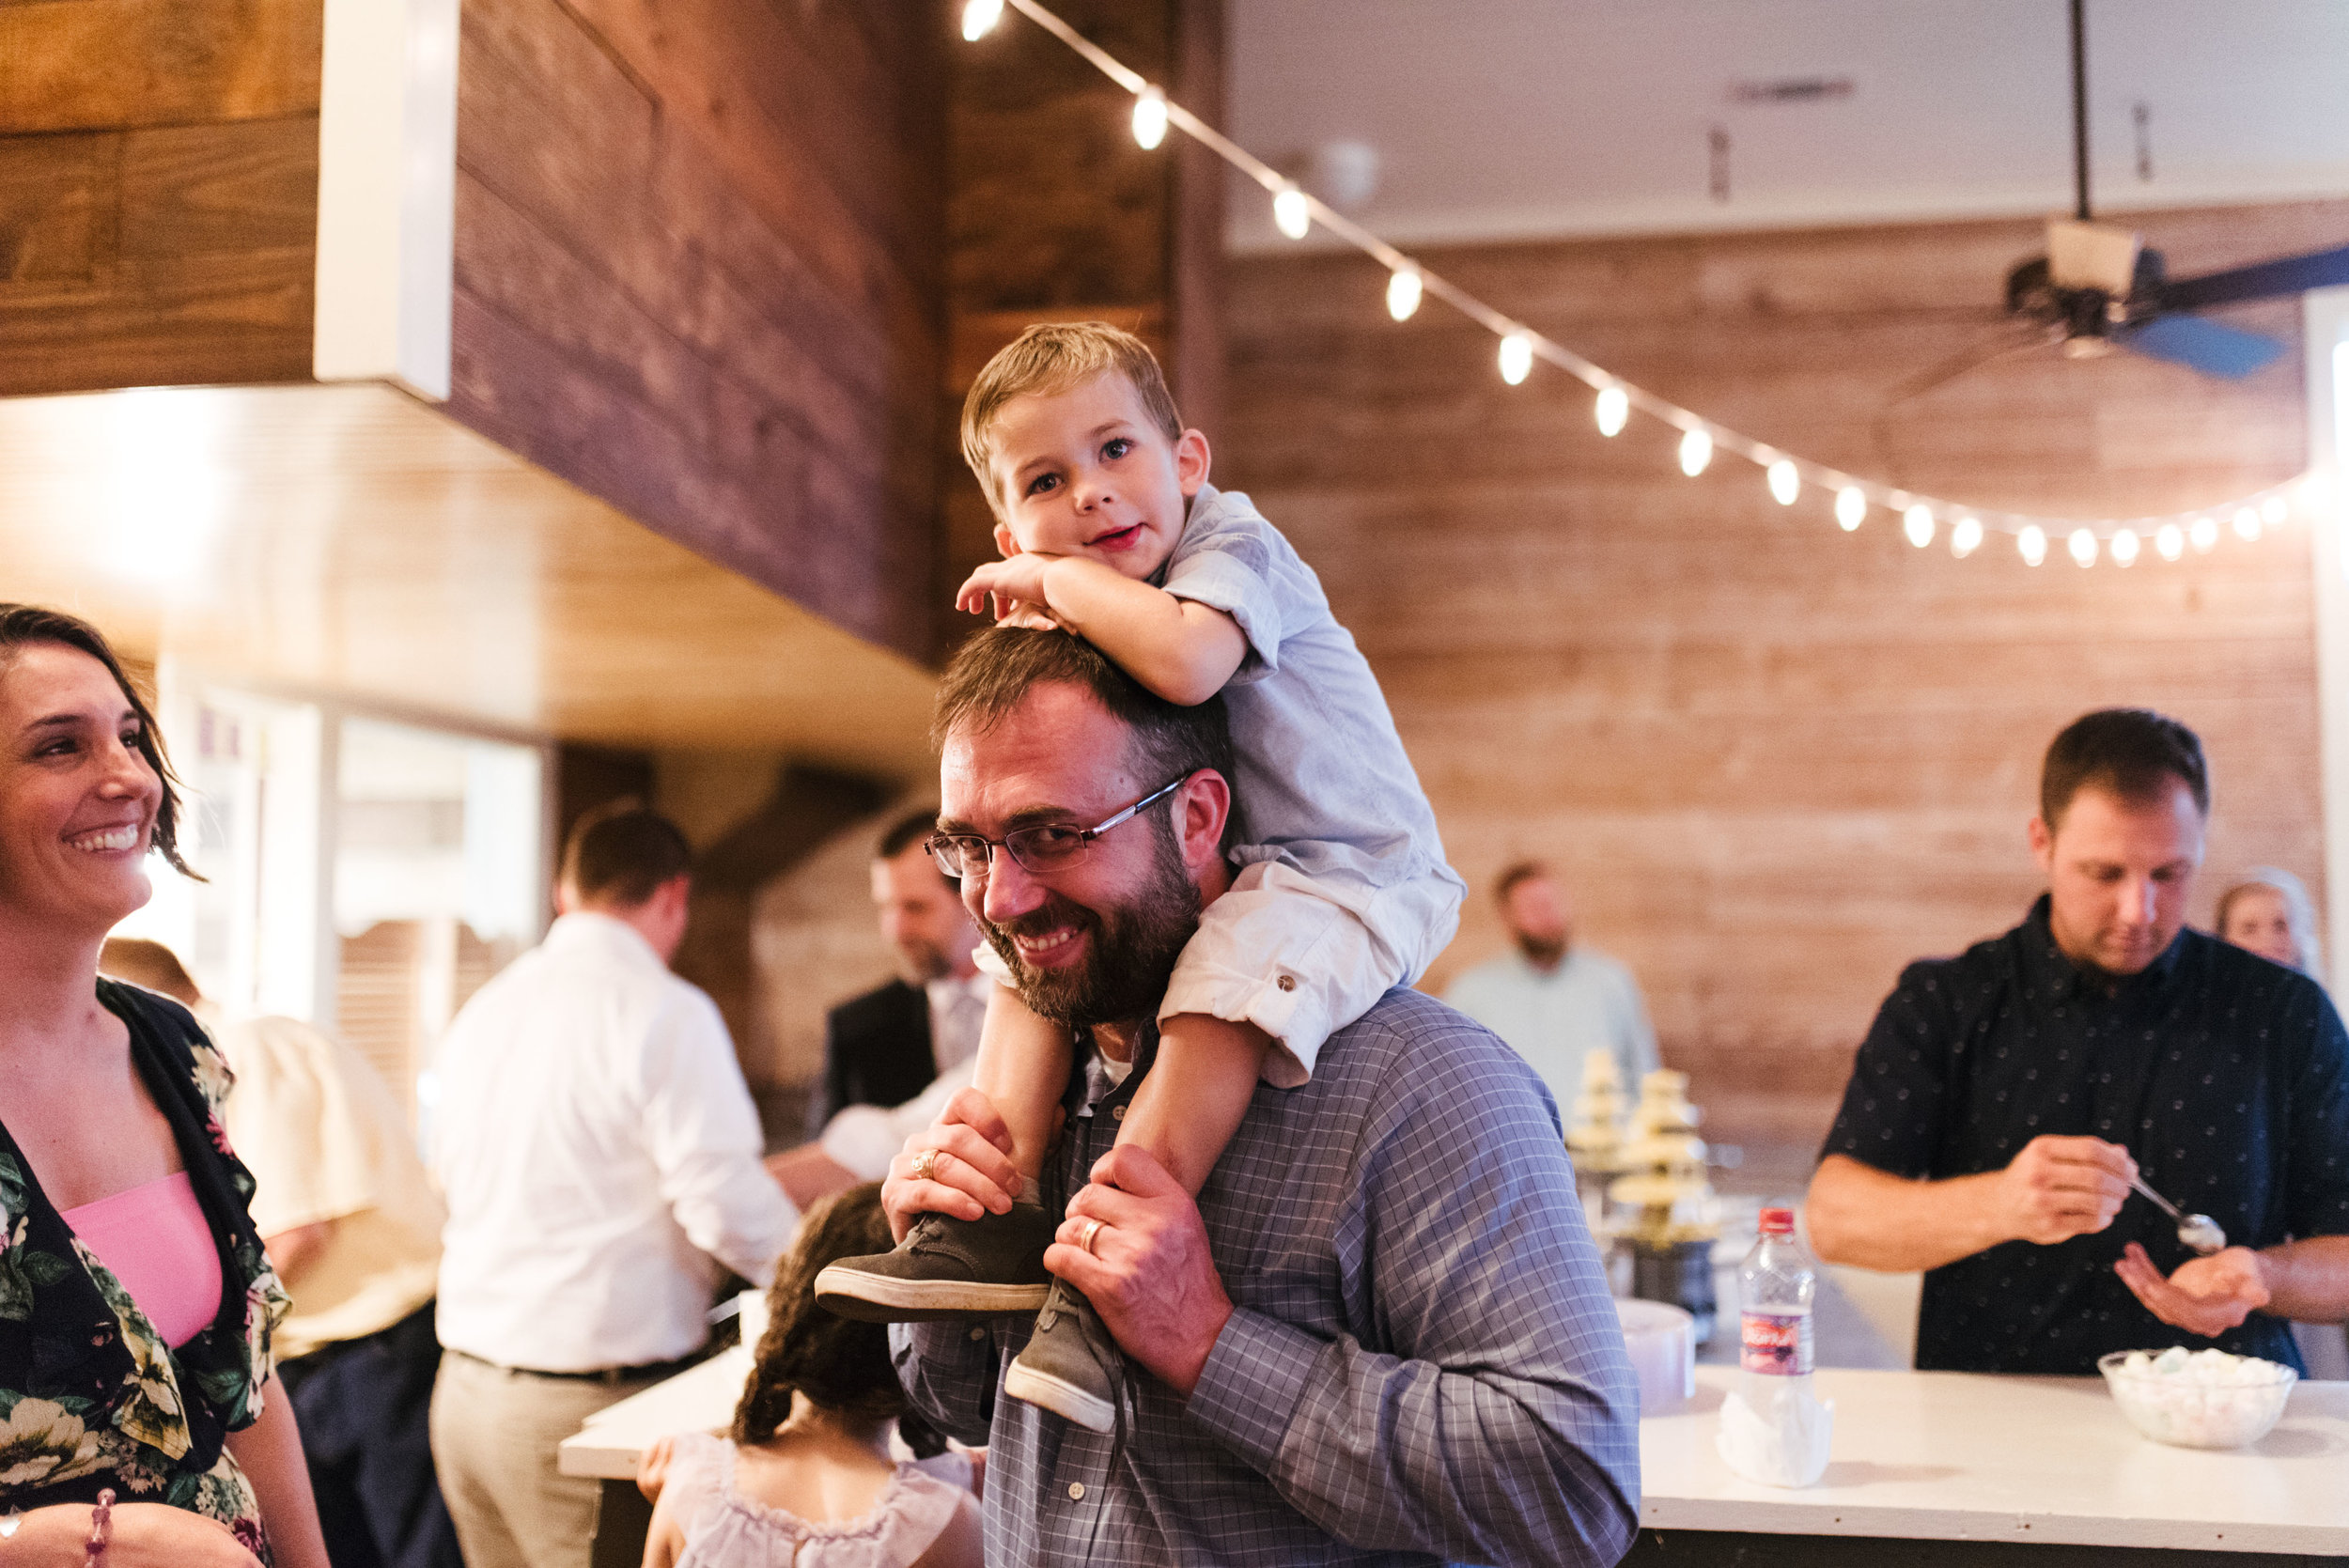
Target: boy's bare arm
[{"x": 1183, "y": 651}]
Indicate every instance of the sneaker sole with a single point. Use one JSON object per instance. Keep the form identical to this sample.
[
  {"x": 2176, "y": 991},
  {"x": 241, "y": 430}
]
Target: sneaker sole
[
  {"x": 880, "y": 1298},
  {"x": 1064, "y": 1398}
]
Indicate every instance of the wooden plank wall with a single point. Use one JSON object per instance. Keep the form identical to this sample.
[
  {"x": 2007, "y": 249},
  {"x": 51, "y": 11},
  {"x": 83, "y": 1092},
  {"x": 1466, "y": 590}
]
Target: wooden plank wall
[
  {"x": 158, "y": 192},
  {"x": 1776, "y": 761},
  {"x": 699, "y": 273},
  {"x": 1057, "y": 215}
]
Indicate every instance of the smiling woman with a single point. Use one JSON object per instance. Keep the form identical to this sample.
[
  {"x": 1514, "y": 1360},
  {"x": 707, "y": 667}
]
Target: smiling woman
[{"x": 136, "y": 1305}]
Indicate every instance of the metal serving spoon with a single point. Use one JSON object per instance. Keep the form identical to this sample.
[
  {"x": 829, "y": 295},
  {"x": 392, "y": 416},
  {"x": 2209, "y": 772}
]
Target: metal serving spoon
[{"x": 2199, "y": 1232}]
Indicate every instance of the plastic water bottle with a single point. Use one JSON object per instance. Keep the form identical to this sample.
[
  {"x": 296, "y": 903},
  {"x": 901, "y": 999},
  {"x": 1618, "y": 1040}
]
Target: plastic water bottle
[{"x": 1774, "y": 1429}]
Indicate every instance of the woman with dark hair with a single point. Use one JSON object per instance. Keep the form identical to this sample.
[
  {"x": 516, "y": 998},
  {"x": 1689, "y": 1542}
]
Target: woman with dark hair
[
  {"x": 135, "y": 1302},
  {"x": 805, "y": 1476}
]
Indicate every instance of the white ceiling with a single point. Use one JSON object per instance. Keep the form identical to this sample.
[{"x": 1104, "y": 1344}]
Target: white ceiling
[{"x": 1517, "y": 118}]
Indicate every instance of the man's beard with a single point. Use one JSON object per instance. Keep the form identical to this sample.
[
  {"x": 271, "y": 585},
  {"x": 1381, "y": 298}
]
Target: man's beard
[
  {"x": 1130, "y": 949},
  {"x": 1542, "y": 952}
]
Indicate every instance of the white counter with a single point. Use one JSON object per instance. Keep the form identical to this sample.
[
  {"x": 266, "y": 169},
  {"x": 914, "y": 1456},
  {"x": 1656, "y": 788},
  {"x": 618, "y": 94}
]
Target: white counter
[
  {"x": 1947, "y": 1456},
  {"x": 1954, "y": 1457}
]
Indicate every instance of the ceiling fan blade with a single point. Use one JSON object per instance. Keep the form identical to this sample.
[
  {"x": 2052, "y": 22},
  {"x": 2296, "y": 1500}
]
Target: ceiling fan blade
[
  {"x": 2013, "y": 339},
  {"x": 2199, "y": 344},
  {"x": 2289, "y": 274}
]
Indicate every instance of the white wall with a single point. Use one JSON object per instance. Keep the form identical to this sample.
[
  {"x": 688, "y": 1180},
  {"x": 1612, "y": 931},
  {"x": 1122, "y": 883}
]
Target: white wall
[{"x": 1516, "y": 119}]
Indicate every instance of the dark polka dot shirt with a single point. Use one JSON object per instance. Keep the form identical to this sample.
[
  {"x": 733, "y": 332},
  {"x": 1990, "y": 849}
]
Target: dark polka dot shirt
[{"x": 2226, "y": 1076}]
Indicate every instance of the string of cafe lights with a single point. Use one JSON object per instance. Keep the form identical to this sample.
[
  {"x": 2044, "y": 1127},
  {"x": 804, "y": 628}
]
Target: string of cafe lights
[{"x": 1923, "y": 518}]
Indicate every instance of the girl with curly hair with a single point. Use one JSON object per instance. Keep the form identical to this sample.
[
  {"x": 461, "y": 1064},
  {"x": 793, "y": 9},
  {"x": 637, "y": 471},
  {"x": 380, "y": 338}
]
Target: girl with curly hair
[{"x": 805, "y": 1475}]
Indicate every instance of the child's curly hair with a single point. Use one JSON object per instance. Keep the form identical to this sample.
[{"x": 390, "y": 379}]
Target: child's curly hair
[{"x": 841, "y": 1365}]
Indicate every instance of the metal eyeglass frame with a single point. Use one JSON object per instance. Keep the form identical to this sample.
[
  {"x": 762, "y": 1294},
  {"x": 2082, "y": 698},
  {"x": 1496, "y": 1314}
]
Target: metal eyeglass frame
[{"x": 943, "y": 844}]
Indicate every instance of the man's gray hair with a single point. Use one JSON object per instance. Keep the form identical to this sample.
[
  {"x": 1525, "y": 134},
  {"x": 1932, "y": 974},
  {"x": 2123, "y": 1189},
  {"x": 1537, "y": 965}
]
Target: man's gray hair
[{"x": 993, "y": 673}]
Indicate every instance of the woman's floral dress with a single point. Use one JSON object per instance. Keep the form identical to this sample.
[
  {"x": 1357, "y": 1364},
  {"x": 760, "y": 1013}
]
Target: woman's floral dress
[{"x": 90, "y": 1396}]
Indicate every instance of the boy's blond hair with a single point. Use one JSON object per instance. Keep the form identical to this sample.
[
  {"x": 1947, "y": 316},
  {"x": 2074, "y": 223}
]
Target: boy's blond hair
[{"x": 1051, "y": 357}]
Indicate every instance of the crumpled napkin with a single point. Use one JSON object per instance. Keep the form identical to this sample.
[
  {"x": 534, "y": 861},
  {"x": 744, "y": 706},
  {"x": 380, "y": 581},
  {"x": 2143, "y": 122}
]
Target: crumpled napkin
[{"x": 1753, "y": 1447}]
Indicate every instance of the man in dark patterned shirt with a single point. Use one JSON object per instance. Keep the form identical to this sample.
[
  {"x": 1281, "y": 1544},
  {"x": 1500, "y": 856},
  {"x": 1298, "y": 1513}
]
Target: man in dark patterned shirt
[
  {"x": 1381, "y": 1335},
  {"x": 2005, "y": 1097}
]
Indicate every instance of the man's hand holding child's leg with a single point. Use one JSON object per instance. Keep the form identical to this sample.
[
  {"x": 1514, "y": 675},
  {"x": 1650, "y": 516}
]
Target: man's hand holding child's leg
[{"x": 967, "y": 1245}]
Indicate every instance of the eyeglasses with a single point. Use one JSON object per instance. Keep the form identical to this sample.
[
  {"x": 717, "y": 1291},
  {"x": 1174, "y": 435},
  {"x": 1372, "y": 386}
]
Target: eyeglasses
[{"x": 1039, "y": 850}]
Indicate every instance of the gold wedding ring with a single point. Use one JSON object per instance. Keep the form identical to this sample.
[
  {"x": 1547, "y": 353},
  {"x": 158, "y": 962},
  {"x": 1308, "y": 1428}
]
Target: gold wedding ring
[
  {"x": 925, "y": 1165},
  {"x": 1093, "y": 1228}
]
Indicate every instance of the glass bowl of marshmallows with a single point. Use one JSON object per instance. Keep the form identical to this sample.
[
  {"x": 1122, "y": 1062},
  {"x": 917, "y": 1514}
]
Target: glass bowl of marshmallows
[{"x": 2198, "y": 1399}]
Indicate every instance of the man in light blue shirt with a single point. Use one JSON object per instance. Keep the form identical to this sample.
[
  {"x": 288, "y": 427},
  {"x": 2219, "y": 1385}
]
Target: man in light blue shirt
[{"x": 1551, "y": 1000}]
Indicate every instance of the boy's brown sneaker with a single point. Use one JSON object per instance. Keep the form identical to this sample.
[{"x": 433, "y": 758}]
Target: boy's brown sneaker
[
  {"x": 948, "y": 1268},
  {"x": 1071, "y": 1366}
]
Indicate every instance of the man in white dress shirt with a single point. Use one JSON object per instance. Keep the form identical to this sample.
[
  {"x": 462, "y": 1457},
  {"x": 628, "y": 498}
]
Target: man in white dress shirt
[
  {"x": 600, "y": 1155},
  {"x": 1552, "y": 999}
]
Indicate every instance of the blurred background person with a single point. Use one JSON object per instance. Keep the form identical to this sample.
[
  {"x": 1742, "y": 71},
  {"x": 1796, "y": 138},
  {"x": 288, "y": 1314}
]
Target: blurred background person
[
  {"x": 2268, "y": 912},
  {"x": 893, "y": 1056},
  {"x": 885, "y": 1047},
  {"x": 1551, "y": 998},
  {"x": 136, "y": 1304},
  {"x": 599, "y": 1150},
  {"x": 353, "y": 1226}
]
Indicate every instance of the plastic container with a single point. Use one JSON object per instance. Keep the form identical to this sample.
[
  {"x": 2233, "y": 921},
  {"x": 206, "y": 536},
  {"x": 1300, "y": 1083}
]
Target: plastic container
[
  {"x": 2205, "y": 1399},
  {"x": 1774, "y": 1429},
  {"x": 1663, "y": 1341}
]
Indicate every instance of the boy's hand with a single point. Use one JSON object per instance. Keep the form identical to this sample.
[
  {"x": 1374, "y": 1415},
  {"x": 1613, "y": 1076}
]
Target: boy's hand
[{"x": 1016, "y": 586}]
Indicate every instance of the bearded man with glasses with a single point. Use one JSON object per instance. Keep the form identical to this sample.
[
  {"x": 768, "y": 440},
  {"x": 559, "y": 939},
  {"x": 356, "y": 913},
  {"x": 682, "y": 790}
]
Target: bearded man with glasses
[{"x": 1380, "y": 1334}]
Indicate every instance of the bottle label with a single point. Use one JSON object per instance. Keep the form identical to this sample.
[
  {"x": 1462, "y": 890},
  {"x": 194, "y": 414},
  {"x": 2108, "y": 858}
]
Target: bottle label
[{"x": 1777, "y": 1344}]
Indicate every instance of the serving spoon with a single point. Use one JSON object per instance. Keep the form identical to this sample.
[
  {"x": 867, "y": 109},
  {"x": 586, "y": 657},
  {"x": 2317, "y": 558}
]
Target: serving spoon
[{"x": 2198, "y": 1233}]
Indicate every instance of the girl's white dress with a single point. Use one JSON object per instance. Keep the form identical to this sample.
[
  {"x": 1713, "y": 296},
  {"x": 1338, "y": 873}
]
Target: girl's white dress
[{"x": 726, "y": 1529}]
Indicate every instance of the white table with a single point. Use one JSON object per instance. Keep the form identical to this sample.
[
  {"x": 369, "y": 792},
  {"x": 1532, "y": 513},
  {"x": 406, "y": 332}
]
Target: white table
[
  {"x": 1954, "y": 1457},
  {"x": 699, "y": 1399}
]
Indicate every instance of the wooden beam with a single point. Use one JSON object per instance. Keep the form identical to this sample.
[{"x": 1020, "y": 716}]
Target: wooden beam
[{"x": 92, "y": 64}]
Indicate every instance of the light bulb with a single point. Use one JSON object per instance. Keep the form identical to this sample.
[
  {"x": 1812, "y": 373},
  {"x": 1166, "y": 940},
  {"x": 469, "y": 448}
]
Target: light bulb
[
  {"x": 2316, "y": 491},
  {"x": 1966, "y": 537},
  {"x": 2169, "y": 539},
  {"x": 1612, "y": 411},
  {"x": 1696, "y": 450},
  {"x": 2082, "y": 544},
  {"x": 1851, "y": 507},
  {"x": 1290, "y": 214},
  {"x": 1403, "y": 291},
  {"x": 1150, "y": 117},
  {"x": 2124, "y": 547},
  {"x": 1917, "y": 522},
  {"x": 2203, "y": 533},
  {"x": 1785, "y": 484},
  {"x": 979, "y": 18},
  {"x": 1516, "y": 357},
  {"x": 2032, "y": 544},
  {"x": 2247, "y": 524},
  {"x": 2273, "y": 510}
]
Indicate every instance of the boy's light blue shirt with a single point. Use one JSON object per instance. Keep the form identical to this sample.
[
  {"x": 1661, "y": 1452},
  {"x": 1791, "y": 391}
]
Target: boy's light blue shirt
[{"x": 1324, "y": 783}]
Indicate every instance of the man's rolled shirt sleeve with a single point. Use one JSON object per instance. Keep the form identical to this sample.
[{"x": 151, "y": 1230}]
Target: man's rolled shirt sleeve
[
  {"x": 1501, "y": 1426},
  {"x": 1893, "y": 1107}
]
